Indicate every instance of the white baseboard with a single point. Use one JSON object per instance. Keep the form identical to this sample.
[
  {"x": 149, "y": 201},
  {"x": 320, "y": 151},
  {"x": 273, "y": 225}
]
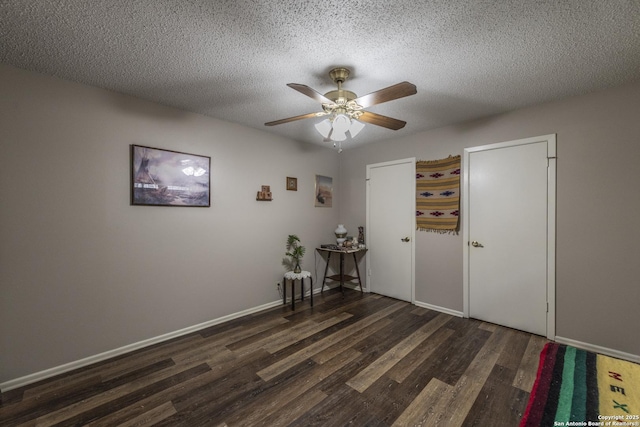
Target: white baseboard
[
  {"x": 334, "y": 285},
  {"x": 598, "y": 349},
  {"x": 51, "y": 372},
  {"x": 348, "y": 285},
  {"x": 307, "y": 293},
  {"x": 438, "y": 308},
  {"x": 57, "y": 370}
]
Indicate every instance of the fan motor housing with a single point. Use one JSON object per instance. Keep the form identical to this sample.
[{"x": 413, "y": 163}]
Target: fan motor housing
[{"x": 340, "y": 95}]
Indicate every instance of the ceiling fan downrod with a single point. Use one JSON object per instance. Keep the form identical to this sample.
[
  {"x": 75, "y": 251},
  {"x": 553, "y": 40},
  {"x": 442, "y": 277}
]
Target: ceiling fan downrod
[{"x": 340, "y": 96}]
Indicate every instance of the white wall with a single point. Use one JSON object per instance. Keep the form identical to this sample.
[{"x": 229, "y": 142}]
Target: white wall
[
  {"x": 83, "y": 272},
  {"x": 598, "y": 200}
]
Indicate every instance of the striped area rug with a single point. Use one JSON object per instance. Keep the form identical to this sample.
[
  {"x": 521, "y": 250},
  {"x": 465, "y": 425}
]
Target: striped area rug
[
  {"x": 578, "y": 388},
  {"x": 438, "y": 195}
]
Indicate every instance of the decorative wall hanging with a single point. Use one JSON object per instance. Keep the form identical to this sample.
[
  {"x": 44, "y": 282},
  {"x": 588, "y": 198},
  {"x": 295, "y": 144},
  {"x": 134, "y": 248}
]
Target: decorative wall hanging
[
  {"x": 292, "y": 183},
  {"x": 169, "y": 178},
  {"x": 324, "y": 191},
  {"x": 265, "y": 194},
  {"x": 438, "y": 195}
]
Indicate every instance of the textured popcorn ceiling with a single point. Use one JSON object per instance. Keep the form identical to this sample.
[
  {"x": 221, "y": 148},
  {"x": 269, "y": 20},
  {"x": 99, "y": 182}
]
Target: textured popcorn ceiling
[{"x": 231, "y": 59}]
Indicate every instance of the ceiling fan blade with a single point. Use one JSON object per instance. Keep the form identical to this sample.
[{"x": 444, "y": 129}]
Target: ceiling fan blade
[
  {"x": 390, "y": 93},
  {"x": 380, "y": 120},
  {"x": 293, "y": 119},
  {"x": 311, "y": 93}
]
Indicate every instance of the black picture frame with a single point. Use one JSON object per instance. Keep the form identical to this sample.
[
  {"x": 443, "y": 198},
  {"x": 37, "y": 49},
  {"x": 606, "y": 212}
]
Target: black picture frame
[{"x": 169, "y": 178}]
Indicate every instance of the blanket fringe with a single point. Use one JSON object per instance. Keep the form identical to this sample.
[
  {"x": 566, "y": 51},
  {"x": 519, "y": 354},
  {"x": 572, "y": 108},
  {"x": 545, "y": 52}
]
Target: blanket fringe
[{"x": 433, "y": 230}]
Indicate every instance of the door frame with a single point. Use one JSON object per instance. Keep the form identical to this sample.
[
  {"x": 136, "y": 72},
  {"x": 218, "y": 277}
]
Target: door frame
[
  {"x": 412, "y": 161},
  {"x": 551, "y": 222}
]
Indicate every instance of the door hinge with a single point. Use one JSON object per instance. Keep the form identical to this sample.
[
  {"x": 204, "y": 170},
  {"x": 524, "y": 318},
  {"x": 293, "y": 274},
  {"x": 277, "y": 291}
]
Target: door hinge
[
  {"x": 547, "y": 307},
  {"x": 369, "y": 272}
]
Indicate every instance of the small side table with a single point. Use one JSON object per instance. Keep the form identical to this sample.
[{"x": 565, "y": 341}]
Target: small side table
[
  {"x": 342, "y": 277},
  {"x": 292, "y": 277}
]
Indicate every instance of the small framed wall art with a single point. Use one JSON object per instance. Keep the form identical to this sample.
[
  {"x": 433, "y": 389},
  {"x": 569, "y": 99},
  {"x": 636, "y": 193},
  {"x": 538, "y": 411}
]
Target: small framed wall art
[
  {"x": 292, "y": 183},
  {"x": 324, "y": 191},
  {"x": 169, "y": 178},
  {"x": 265, "y": 194}
]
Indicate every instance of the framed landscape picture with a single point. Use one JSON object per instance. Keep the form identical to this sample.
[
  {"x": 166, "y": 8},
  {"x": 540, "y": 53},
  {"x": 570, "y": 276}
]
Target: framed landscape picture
[
  {"x": 169, "y": 178},
  {"x": 324, "y": 191}
]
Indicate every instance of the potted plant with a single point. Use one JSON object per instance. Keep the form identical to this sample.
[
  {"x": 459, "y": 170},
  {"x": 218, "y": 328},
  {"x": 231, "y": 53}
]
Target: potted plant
[{"x": 294, "y": 251}]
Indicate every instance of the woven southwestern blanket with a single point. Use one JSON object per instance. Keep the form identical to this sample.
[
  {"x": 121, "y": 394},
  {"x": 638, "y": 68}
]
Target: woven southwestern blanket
[
  {"x": 438, "y": 195},
  {"x": 575, "y": 387}
]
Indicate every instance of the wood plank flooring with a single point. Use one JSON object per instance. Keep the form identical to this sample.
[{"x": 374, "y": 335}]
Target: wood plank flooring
[{"x": 361, "y": 360}]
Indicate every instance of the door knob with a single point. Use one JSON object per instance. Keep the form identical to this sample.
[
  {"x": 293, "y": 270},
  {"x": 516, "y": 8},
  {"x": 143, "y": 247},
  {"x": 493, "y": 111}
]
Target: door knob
[
  {"x": 406, "y": 239},
  {"x": 476, "y": 244}
]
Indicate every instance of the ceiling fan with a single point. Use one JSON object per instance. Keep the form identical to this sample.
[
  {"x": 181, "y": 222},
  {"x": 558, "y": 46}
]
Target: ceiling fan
[{"x": 346, "y": 110}]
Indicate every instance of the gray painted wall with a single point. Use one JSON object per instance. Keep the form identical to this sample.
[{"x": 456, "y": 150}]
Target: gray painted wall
[
  {"x": 598, "y": 200},
  {"x": 83, "y": 272}
]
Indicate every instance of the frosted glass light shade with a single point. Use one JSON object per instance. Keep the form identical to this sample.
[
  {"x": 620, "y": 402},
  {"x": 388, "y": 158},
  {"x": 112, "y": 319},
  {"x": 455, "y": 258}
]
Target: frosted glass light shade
[
  {"x": 338, "y": 136},
  {"x": 324, "y": 127},
  {"x": 355, "y": 128},
  {"x": 336, "y": 129},
  {"x": 341, "y": 123}
]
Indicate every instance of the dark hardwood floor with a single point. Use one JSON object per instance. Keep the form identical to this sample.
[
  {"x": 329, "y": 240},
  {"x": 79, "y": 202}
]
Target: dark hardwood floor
[{"x": 361, "y": 360}]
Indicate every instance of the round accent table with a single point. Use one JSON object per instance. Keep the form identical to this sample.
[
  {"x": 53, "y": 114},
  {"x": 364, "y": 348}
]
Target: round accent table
[{"x": 292, "y": 277}]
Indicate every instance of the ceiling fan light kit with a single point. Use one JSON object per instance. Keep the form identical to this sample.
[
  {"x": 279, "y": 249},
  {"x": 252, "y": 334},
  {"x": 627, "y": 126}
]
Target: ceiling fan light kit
[
  {"x": 345, "y": 110},
  {"x": 332, "y": 129}
]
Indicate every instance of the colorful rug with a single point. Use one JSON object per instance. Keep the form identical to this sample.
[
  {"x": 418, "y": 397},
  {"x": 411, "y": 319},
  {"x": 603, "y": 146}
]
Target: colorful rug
[
  {"x": 438, "y": 195},
  {"x": 575, "y": 387}
]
